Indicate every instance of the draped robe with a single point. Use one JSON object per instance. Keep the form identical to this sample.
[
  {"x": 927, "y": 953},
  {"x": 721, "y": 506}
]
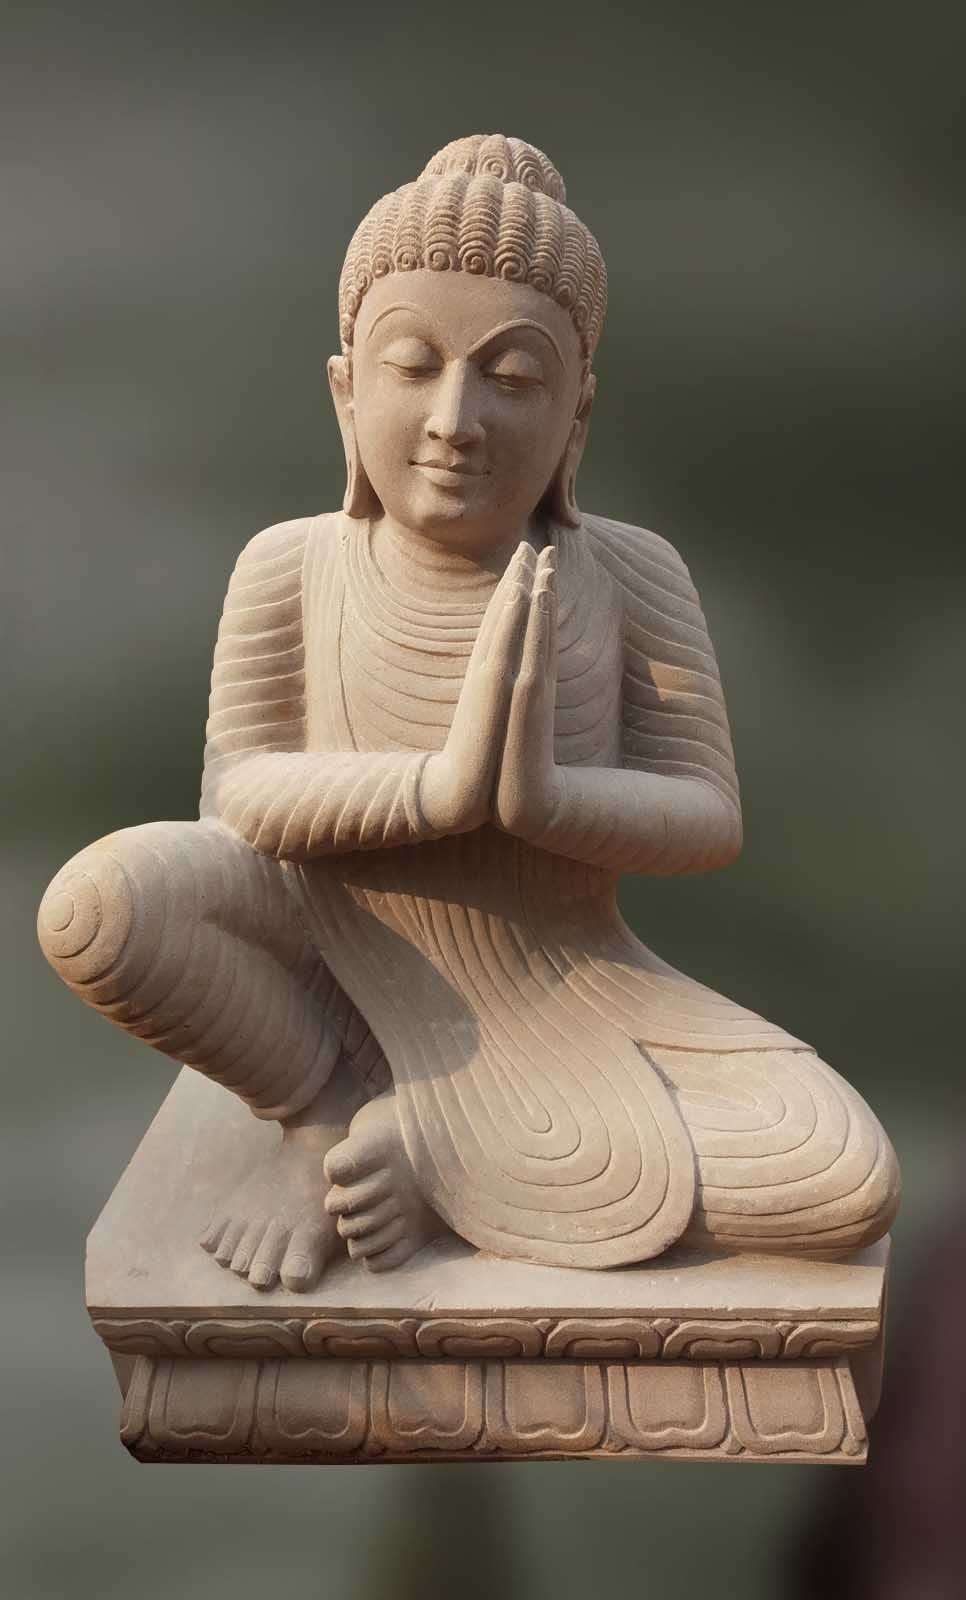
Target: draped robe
[{"x": 563, "y": 1094}]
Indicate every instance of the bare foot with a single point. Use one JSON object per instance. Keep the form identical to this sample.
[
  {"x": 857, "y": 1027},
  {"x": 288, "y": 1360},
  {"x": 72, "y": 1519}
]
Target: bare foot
[
  {"x": 275, "y": 1224},
  {"x": 381, "y": 1214}
]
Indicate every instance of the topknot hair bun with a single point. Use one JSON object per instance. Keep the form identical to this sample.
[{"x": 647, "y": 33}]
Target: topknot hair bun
[
  {"x": 490, "y": 206},
  {"x": 494, "y": 156}
]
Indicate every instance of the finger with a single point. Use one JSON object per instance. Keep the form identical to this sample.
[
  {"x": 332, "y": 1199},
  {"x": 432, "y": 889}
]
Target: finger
[
  {"x": 533, "y": 678},
  {"x": 521, "y": 565},
  {"x": 509, "y": 630},
  {"x": 518, "y": 575},
  {"x": 546, "y": 563},
  {"x": 528, "y": 750},
  {"x": 543, "y": 636},
  {"x": 485, "y": 695}
]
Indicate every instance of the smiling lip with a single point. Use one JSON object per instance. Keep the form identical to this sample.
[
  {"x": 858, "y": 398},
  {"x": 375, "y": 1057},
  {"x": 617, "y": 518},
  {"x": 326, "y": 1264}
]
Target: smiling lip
[{"x": 454, "y": 469}]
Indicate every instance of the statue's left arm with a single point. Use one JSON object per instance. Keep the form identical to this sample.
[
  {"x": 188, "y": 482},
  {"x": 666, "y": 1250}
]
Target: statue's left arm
[{"x": 672, "y": 806}]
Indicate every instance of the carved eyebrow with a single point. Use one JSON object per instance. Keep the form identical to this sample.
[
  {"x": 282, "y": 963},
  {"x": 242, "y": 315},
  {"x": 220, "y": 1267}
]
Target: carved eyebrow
[
  {"x": 508, "y": 327},
  {"x": 494, "y": 333},
  {"x": 401, "y": 305}
]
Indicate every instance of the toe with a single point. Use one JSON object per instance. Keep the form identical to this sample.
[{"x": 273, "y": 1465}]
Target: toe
[
  {"x": 230, "y": 1240},
  {"x": 359, "y": 1223},
  {"x": 247, "y": 1248},
  {"x": 372, "y": 1244},
  {"x": 395, "y": 1256},
  {"x": 340, "y": 1201},
  {"x": 263, "y": 1271},
  {"x": 211, "y": 1238},
  {"x": 303, "y": 1260},
  {"x": 345, "y": 1163}
]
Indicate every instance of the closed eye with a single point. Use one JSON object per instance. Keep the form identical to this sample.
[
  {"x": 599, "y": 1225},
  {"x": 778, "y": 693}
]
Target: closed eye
[
  {"x": 411, "y": 372},
  {"x": 516, "y": 369},
  {"x": 411, "y": 359}
]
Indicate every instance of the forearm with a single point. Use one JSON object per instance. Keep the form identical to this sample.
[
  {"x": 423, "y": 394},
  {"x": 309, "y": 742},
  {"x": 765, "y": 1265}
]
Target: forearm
[
  {"x": 638, "y": 822},
  {"x": 294, "y": 805}
]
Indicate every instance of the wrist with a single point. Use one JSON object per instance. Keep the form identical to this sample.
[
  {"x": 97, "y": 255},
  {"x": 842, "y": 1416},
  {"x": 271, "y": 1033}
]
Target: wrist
[
  {"x": 447, "y": 802},
  {"x": 532, "y": 810}
]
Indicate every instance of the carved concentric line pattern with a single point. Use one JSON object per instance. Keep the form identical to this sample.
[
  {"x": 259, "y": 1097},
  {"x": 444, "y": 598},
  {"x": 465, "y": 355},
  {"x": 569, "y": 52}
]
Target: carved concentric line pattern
[
  {"x": 201, "y": 954},
  {"x": 558, "y": 1083},
  {"x": 274, "y": 1410},
  {"x": 580, "y": 1154},
  {"x": 405, "y": 647},
  {"x": 552, "y": 1074}
]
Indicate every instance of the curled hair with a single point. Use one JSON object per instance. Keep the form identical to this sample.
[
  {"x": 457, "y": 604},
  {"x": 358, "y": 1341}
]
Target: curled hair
[{"x": 487, "y": 205}]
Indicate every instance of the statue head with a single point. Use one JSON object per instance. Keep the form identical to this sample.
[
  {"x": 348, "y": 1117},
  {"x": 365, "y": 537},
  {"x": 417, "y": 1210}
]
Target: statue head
[{"x": 470, "y": 306}]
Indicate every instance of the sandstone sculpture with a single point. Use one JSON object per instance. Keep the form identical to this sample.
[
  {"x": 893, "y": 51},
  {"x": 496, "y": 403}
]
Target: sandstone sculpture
[{"x": 443, "y": 722}]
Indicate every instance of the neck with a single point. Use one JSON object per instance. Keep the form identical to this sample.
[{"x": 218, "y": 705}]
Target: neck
[{"x": 470, "y": 562}]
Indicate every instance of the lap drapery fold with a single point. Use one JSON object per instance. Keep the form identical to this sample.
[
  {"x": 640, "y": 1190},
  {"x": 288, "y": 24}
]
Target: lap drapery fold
[{"x": 518, "y": 1015}]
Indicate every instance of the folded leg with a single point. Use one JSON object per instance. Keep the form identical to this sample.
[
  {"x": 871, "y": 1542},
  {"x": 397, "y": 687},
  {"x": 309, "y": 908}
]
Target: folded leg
[
  {"x": 181, "y": 934},
  {"x": 789, "y": 1157}
]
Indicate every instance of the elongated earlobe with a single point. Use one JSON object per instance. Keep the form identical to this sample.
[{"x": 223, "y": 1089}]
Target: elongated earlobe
[
  {"x": 561, "y": 497},
  {"x": 360, "y": 497}
]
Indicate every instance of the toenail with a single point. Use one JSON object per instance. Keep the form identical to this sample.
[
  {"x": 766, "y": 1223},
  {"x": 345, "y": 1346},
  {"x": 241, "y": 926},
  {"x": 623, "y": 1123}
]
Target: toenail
[{"x": 261, "y": 1277}]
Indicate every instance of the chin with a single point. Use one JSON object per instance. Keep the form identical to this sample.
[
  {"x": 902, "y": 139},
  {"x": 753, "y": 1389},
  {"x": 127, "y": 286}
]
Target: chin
[{"x": 440, "y": 515}]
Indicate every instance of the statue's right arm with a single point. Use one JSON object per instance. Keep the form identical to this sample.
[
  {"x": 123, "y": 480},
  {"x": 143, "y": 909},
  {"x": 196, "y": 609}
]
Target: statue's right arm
[{"x": 259, "y": 779}]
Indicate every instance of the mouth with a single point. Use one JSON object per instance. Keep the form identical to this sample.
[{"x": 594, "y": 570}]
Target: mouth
[{"x": 453, "y": 473}]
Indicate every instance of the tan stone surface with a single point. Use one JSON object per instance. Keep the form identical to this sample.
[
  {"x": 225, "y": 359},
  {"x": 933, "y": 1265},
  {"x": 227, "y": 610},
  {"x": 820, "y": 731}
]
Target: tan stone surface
[
  {"x": 137, "y": 1263},
  {"x": 459, "y": 1356},
  {"x": 444, "y": 721},
  {"x": 277, "y": 1411}
]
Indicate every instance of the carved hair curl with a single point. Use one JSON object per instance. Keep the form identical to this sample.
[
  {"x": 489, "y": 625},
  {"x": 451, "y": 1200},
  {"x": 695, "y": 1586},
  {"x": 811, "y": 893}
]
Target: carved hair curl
[{"x": 487, "y": 205}]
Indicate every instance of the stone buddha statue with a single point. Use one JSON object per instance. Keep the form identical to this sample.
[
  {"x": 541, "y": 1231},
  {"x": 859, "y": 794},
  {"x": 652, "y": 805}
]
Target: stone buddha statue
[{"x": 444, "y": 721}]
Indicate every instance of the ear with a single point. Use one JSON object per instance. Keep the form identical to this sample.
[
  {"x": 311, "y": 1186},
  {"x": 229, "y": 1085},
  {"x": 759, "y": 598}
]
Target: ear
[
  {"x": 359, "y": 500},
  {"x": 560, "y": 499}
]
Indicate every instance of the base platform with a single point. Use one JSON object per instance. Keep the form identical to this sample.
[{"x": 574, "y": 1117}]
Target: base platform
[{"x": 458, "y": 1355}]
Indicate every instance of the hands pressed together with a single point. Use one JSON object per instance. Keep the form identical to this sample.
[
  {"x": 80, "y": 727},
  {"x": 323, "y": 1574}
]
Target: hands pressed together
[{"x": 498, "y": 761}]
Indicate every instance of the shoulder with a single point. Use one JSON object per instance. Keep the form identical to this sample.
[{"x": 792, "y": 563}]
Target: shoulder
[
  {"x": 645, "y": 565},
  {"x": 281, "y": 543},
  {"x": 278, "y": 554}
]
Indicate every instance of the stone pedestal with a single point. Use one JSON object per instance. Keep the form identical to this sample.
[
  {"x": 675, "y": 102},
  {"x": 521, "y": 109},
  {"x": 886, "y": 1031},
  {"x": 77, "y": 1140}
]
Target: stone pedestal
[{"x": 459, "y": 1356}]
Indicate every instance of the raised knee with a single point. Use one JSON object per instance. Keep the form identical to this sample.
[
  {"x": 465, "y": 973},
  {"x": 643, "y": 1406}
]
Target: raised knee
[
  {"x": 86, "y": 915},
  {"x": 108, "y": 898}
]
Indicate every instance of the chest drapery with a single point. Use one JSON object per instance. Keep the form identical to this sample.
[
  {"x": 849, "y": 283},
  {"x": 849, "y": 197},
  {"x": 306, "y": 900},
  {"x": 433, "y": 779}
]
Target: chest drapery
[{"x": 385, "y": 666}]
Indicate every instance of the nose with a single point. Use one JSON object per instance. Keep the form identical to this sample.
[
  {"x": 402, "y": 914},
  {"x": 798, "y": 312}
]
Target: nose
[{"x": 454, "y": 420}]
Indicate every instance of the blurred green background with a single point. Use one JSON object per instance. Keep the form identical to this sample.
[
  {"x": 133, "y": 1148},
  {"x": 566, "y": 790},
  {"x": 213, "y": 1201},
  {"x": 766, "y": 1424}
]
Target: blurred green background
[{"x": 777, "y": 192}]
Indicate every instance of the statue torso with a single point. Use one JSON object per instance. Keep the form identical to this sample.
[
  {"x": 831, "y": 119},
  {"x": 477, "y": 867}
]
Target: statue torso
[{"x": 387, "y": 647}]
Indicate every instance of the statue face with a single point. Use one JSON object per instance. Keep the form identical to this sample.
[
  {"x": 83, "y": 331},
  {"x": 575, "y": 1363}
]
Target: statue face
[{"x": 465, "y": 391}]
